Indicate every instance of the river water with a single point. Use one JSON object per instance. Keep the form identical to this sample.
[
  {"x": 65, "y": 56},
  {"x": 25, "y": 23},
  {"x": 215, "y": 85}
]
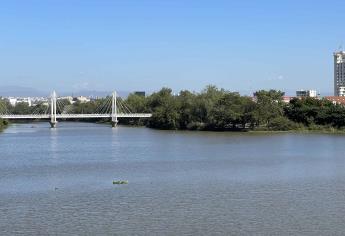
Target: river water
[{"x": 59, "y": 182}]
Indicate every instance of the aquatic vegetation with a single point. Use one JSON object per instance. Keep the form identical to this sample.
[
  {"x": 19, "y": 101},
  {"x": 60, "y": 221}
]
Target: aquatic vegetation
[
  {"x": 3, "y": 124},
  {"x": 120, "y": 182}
]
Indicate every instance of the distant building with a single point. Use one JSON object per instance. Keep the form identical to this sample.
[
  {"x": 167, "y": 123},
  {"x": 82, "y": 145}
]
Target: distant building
[
  {"x": 24, "y": 100},
  {"x": 338, "y": 100},
  {"x": 68, "y": 98},
  {"x": 339, "y": 73},
  {"x": 82, "y": 99},
  {"x": 287, "y": 99},
  {"x": 306, "y": 93},
  {"x": 140, "y": 93},
  {"x": 12, "y": 101},
  {"x": 15, "y": 101},
  {"x": 341, "y": 91}
]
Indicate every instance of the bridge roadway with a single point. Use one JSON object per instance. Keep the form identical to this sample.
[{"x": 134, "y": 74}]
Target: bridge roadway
[{"x": 76, "y": 116}]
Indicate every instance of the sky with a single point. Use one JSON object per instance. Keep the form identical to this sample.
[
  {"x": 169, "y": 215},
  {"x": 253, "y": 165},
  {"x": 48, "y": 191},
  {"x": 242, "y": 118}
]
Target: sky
[{"x": 131, "y": 45}]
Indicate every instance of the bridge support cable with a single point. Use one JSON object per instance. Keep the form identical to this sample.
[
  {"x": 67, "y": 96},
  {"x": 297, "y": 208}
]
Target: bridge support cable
[
  {"x": 37, "y": 110},
  {"x": 62, "y": 106},
  {"x": 104, "y": 107},
  {"x": 125, "y": 107},
  {"x": 3, "y": 109},
  {"x": 119, "y": 106},
  {"x": 108, "y": 107}
]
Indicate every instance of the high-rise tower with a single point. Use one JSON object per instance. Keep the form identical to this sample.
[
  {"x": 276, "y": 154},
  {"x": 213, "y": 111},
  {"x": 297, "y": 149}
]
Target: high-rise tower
[{"x": 339, "y": 73}]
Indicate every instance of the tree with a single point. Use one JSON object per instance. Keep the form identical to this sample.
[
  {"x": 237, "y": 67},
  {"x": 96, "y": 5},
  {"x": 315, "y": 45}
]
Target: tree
[
  {"x": 227, "y": 111},
  {"x": 186, "y": 102},
  {"x": 21, "y": 108},
  {"x": 269, "y": 105},
  {"x": 137, "y": 103},
  {"x": 164, "y": 109}
]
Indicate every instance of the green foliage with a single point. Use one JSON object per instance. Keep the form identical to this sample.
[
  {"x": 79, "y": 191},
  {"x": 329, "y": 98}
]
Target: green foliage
[
  {"x": 218, "y": 109},
  {"x": 165, "y": 109},
  {"x": 21, "y": 108},
  {"x": 120, "y": 181},
  {"x": 269, "y": 105},
  {"x": 84, "y": 107},
  {"x": 3, "y": 124},
  {"x": 186, "y": 101},
  {"x": 138, "y": 104},
  {"x": 282, "y": 123},
  {"x": 314, "y": 112},
  {"x": 228, "y": 111},
  {"x": 211, "y": 109}
]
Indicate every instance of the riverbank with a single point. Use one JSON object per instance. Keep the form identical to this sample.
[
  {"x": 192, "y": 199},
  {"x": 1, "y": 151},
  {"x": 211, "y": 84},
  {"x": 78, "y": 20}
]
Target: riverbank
[
  {"x": 263, "y": 130},
  {"x": 342, "y": 132},
  {"x": 297, "y": 128}
]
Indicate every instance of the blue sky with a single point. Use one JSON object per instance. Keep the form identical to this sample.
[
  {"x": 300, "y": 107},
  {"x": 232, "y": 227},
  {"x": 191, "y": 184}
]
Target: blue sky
[{"x": 144, "y": 45}]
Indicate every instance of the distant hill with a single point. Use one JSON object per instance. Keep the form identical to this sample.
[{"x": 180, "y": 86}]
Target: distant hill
[
  {"x": 19, "y": 91},
  {"x": 93, "y": 93}
]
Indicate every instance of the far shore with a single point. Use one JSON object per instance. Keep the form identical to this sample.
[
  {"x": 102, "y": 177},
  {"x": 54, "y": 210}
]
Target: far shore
[{"x": 239, "y": 131}]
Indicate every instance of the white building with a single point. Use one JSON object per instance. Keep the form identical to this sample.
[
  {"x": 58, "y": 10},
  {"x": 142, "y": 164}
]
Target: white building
[
  {"x": 339, "y": 73},
  {"x": 12, "y": 101},
  {"x": 24, "y": 100},
  {"x": 68, "y": 98},
  {"x": 83, "y": 99},
  {"x": 306, "y": 93},
  {"x": 341, "y": 91}
]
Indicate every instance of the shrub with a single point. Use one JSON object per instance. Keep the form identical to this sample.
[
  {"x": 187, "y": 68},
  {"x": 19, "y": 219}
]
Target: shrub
[
  {"x": 282, "y": 124},
  {"x": 196, "y": 126}
]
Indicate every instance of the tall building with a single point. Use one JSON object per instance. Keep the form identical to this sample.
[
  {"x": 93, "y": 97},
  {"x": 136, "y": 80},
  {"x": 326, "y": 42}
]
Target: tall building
[{"x": 339, "y": 73}]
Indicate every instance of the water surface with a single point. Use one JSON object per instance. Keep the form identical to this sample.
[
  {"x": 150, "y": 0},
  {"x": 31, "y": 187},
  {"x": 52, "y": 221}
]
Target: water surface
[{"x": 59, "y": 182}]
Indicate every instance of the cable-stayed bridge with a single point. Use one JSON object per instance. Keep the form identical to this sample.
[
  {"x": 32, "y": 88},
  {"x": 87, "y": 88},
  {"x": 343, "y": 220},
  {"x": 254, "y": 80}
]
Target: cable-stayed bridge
[{"x": 112, "y": 107}]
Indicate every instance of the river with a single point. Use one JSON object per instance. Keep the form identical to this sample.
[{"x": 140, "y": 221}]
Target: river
[{"x": 59, "y": 182}]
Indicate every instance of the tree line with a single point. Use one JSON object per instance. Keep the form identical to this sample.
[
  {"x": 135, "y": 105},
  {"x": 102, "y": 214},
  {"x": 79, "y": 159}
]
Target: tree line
[{"x": 219, "y": 109}]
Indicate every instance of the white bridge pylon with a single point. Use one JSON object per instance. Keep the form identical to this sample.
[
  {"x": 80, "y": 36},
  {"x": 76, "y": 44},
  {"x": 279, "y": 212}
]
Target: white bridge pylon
[
  {"x": 53, "y": 120},
  {"x": 112, "y": 108}
]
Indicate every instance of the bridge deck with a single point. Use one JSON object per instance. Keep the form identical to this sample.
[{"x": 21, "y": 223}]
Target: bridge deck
[{"x": 76, "y": 116}]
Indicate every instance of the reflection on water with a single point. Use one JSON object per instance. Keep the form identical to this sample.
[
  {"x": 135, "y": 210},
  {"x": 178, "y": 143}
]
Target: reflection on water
[
  {"x": 59, "y": 181},
  {"x": 54, "y": 143}
]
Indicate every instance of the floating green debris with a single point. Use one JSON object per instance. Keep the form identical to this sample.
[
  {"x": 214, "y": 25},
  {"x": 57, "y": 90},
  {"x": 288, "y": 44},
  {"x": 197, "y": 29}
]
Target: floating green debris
[{"x": 120, "y": 182}]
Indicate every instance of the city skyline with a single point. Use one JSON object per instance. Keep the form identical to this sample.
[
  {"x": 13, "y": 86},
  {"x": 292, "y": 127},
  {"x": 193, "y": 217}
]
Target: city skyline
[{"x": 147, "y": 45}]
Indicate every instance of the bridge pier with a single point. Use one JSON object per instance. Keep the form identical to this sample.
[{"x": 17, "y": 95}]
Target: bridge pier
[
  {"x": 53, "y": 124},
  {"x": 114, "y": 124}
]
